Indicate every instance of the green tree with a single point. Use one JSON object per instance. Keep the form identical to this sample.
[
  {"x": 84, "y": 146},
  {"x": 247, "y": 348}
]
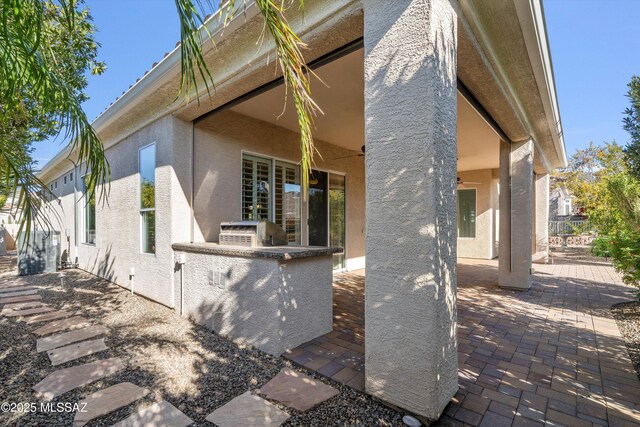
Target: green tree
[
  {"x": 45, "y": 49},
  {"x": 631, "y": 123},
  {"x": 586, "y": 176},
  {"x": 40, "y": 39},
  {"x": 602, "y": 182},
  {"x": 624, "y": 189}
]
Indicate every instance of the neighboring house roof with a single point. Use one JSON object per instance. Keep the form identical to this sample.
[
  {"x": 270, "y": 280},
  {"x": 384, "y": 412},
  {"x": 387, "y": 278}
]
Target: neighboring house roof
[{"x": 562, "y": 191}]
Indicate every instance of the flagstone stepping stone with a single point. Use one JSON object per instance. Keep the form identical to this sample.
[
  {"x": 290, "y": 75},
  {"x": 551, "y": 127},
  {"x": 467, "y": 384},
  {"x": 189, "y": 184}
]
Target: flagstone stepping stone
[
  {"x": 47, "y": 316},
  {"x": 18, "y": 293},
  {"x": 60, "y": 325},
  {"x": 71, "y": 352},
  {"x": 21, "y": 305},
  {"x": 248, "y": 410},
  {"x": 20, "y": 299},
  {"x": 66, "y": 338},
  {"x": 161, "y": 414},
  {"x": 64, "y": 380},
  {"x": 17, "y": 288},
  {"x": 297, "y": 390},
  {"x": 12, "y": 285},
  {"x": 108, "y": 400},
  {"x": 27, "y": 311}
]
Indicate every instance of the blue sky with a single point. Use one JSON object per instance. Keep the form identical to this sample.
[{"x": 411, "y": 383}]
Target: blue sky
[
  {"x": 595, "y": 47},
  {"x": 134, "y": 34}
]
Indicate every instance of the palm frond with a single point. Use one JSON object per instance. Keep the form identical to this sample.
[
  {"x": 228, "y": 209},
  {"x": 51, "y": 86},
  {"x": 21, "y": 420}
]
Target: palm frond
[
  {"x": 192, "y": 16},
  {"x": 288, "y": 47},
  {"x": 24, "y": 69},
  {"x": 296, "y": 76}
]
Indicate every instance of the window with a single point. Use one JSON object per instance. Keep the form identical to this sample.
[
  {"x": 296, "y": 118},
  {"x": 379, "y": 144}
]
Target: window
[
  {"x": 51, "y": 186},
  {"x": 567, "y": 207},
  {"x": 65, "y": 179},
  {"x": 272, "y": 196},
  {"x": 71, "y": 176},
  {"x": 288, "y": 190},
  {"x": 147, "y": 169},
  {"x": 256, "y": 185},
  {"x": 467, "y": 213},
  {"x": 55, "y": 184},
  {"x": 89, "y": 215}
]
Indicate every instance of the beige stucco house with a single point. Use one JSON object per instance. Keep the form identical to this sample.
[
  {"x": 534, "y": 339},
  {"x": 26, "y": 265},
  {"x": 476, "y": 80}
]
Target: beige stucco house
[{"x": 440, "y": 128}]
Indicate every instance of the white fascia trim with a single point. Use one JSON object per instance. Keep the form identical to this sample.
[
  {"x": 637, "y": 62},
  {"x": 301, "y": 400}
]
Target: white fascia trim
[
  {"x": 531, "y": 15},
  {"x": 165, "y": 70}
]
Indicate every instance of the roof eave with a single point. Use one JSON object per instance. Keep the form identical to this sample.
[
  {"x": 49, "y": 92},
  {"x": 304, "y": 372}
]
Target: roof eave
[{"x": 167, "y": 69}]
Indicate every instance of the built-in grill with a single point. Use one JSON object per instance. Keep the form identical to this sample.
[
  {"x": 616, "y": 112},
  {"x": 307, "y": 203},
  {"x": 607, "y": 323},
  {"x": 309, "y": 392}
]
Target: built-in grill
[{"x": 252, "y": 233}]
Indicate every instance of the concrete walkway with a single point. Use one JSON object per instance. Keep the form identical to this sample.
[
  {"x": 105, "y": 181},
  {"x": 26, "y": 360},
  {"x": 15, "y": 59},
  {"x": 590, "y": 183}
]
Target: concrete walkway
[{"x": 552, "y": 355}]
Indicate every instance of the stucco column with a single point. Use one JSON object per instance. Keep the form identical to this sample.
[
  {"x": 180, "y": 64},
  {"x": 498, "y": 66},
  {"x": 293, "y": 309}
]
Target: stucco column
[
  {"x": 410, "y": 135},
  {"x": 516, "y": 214},
  {"x": 541, "y": 218}
]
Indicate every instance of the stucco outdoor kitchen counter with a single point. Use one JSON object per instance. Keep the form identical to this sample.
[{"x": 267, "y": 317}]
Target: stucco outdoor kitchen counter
[
  {"x": 274, "y": 298},
  {"x": 274, "y": 252}
]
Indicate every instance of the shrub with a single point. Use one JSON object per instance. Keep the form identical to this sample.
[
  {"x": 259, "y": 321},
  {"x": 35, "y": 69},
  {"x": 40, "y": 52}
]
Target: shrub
[
  {"x": 601, "y": 246},
  {"x": 626, "y": 257}
]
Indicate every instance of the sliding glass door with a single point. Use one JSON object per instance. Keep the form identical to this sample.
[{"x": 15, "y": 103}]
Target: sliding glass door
[
  {"x": 337, "y": 217},
  {"x": 327, "y": 212},
  {"x": 318, "y": 209}
]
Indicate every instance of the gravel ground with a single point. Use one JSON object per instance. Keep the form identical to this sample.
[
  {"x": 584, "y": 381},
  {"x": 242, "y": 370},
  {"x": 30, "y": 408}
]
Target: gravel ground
[
  {"x": 8, "y": 262},
  {"x": 189, "y": 366},
  {"x": 627, "y": 315}
]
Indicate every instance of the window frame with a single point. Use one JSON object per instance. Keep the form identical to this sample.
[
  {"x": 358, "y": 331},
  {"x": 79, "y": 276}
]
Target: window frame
[
  {"x": 271, "y": 197},
  {"x": 567, "y": 207},
  {"x": 85, "y": 204},
  {"x": 272, "y": 185},
  {"x": 142, "y": 210},
  {"x": 475, "y": 223}
]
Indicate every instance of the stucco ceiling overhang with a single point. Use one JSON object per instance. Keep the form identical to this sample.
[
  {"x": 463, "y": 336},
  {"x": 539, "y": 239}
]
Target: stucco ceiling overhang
[
  {"x": 494, "y": 62},
  {"x": 238, "y": 64},
  {"x": 503, "y": 59}
]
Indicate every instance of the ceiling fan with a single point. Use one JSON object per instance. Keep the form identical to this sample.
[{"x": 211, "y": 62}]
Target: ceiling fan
[
  {"x": 461, "y": 182},
  {"x": 353, "y": 155}
]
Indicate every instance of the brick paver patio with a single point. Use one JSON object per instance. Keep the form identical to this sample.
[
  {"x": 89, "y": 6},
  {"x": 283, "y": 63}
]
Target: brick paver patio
[{"x": 552, "y": 355}]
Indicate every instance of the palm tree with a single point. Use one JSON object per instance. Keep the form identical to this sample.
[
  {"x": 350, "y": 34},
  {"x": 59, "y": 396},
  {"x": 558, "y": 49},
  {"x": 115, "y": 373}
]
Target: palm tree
[{"x": 23, "y": 69}]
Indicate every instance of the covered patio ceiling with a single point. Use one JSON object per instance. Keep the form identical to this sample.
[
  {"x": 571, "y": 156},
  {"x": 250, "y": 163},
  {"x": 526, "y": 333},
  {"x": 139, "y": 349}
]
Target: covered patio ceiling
[{"x": 339, "y": 91}]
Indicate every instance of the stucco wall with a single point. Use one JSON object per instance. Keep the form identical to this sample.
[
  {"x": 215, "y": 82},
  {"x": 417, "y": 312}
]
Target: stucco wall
[
  {"x": 410, "y": 131},
  {"x": 117, "y": 246},
  {"x": 219, "y": 143},
  {"x": 270, "y": 304},
  {"x": 484, "y": 244},
  {"x": 61, "y": 209},
  {"x": 516, "y": 222}
]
